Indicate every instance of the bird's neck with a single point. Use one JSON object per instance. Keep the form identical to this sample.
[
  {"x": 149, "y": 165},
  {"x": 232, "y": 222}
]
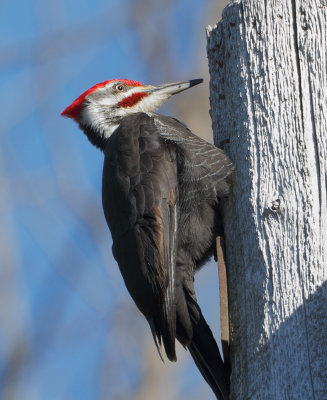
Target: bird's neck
[
  {"x": 99, "y": 135},
  {"x": 99, "y": 130}
]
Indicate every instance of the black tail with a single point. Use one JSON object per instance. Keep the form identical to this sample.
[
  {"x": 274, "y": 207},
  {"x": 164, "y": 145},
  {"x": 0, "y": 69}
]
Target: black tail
[{"x": 206, "y": 355}]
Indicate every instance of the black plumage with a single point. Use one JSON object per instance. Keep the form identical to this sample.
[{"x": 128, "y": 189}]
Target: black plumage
[{"x": 161, "y": 191}]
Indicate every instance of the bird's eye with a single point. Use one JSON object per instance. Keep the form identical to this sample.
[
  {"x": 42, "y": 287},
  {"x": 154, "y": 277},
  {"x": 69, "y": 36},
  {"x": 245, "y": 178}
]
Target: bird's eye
[{"x": 119, "y": 88}]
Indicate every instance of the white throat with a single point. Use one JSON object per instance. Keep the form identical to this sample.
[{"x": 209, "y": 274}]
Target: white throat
[{"x": 94, "y": 117}]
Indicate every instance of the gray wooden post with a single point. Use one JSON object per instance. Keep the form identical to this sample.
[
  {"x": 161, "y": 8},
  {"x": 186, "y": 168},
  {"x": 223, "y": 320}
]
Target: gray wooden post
[{"x": 268, "y": 66}]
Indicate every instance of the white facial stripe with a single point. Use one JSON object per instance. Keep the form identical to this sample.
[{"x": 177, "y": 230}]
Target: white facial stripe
[
  {"x": 101, "y": 110},
  {"x": 150, "y": 103},
  {"x": 95, "y": 116}
]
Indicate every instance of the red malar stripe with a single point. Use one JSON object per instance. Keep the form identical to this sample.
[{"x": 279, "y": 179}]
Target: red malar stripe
[{"x": 133, "y": 99}]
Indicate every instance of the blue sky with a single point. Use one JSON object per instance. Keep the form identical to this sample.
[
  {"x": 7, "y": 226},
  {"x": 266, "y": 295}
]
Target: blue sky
[{"x": 68, "y": 329}]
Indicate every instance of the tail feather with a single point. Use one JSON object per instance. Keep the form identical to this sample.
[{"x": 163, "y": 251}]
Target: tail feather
[
  {"x": 206, "y": 355},
  {"x": 163, "y": 328},
  {"x": 156, "y": 338}
]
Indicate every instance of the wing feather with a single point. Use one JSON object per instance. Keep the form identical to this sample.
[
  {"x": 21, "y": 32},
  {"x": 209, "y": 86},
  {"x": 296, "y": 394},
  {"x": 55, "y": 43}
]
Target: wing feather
[{"x": 140, "y": 203}]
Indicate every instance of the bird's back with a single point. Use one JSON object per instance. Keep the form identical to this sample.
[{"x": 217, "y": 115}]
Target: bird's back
[
  {"x": 204, "y": 178},
  {"x": 139, "y": 181}
]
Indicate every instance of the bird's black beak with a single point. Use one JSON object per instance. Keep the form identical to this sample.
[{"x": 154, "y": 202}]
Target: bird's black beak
[{"x": 173, "y": 88}]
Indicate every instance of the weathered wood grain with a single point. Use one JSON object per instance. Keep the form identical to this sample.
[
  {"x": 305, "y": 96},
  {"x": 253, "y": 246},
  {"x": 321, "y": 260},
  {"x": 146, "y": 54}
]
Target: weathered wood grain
[{"x": 268, "y": 67}]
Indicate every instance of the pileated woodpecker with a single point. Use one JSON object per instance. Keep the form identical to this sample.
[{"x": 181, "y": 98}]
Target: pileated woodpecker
[{"x": 161, "y": 191}]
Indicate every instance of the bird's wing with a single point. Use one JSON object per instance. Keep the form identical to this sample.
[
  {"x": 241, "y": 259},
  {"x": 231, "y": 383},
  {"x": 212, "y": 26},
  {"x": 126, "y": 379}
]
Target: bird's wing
[
  {"x": 140, "y": 204},
  {"x": 204, "y": 167}
]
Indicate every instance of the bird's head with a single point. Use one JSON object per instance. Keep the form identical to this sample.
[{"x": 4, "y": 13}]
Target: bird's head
[{"x": 101, "y": 107}]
